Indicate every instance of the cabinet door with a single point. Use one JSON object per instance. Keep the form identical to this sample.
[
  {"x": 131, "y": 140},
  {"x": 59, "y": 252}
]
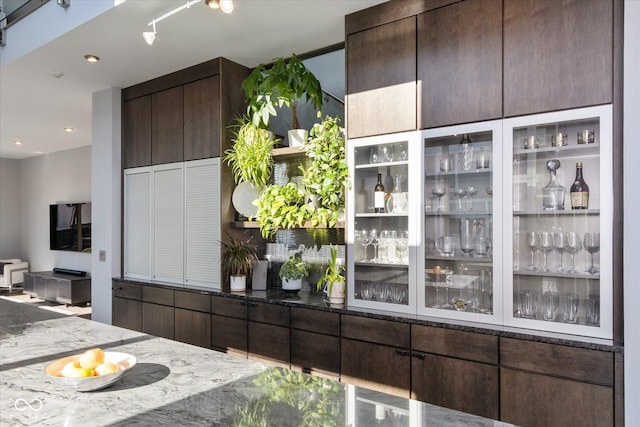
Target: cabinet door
[
  {"x": 136, "y": 132},
  {"x": 137, "y": 233},
  {"x": 127, "y": 313},
  {"x": 193, "y": 327},
  {"x": 229, "y": 334},
  {"x": 269, "y": 342},
  {"x": 457, "y": 384},
  {"x": 460, "y": 63},
  {"x": 374, "y": 366},
  {"x": 381, "y": 79},
  {"x": 534, "y": 400},
  {"x": 557, "y": 55},
  {"x": 269, "y": 313},
  {"x": 167, "y": 126},
  {"x": 158, "y": 320},
  {"x": 315, "y": 353},
  {"x": 202, "y": 119}
]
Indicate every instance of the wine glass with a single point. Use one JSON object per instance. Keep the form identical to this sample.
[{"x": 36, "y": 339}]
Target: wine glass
[
  {"x": 545, "y": 244},
  {"x": 489, "y": 191},
  {"x": 471, "y": 191},
  {"x": 572, "y": 245},
  {"x": 558, "y": 245},
  {"x": 386, "y": 153},
  {"x": 532, "y": 243},
  {"x": 439, "y": 191},
  {"x": 374, "y": 155},
  {"x": 459, "y": 193},
  {"x": 384, "y": 241},
  {"x": 375, "y": 241},
  {"x": 592, "y": 245},
  {"x": 364, "y": 238}
]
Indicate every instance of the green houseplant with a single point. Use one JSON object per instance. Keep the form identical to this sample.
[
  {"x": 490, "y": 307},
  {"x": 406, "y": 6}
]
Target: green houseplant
[
  {"x": 333, "y": 280},
  {"x": 281, "y": 206},
  {"x": 292, "y": 272},
  {"x": 237, "y": 256}
]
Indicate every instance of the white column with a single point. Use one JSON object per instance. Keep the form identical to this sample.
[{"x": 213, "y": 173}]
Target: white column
[{"x": 106, "y": 200}]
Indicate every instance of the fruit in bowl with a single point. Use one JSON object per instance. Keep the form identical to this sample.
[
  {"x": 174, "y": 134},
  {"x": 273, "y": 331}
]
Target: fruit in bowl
[
  {"x": 460, "y": 304},
  {"x": 92, "y": 370}
]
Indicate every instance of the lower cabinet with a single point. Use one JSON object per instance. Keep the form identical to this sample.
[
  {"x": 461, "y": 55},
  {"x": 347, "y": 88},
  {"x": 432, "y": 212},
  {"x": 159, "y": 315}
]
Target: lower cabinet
[
  {"x": 127, "y": 313},
  {"x": 229, "y": 325},
  {"x": 193, "y": 327},
  {"x": 158, "y": 320},
  {"x": 315, "y": 342},
  {"x": 268, "y": 333}
]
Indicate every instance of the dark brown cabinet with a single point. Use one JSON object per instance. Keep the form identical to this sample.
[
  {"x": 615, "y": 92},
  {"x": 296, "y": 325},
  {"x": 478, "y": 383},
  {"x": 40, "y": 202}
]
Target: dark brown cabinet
[
  {"x": 158, "y": 311},
  {"x": 315, "y": 342},
  {"x": 167, "y": 126},
  {"x": 229, "y": 325},
  {"x": 127, "y": 305},
  {"x": 202, "y": 119},
  {"x": 552, "y": 385},
  {"x": 268, "y": 333},
  {"x": 193, "y": 318},
  {"x": 136, "y": 132},
  {"x": 460, "y": 63},
  {"x": 557, "y": 55},
  {"x": 381, "y": 79},
  {"x": 375, "y": 354}
]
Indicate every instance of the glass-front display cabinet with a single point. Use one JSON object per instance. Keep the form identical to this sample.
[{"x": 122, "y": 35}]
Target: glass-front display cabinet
[
  {"x": 382, "y": 224},
  {"x": 458, "y": 263},
  {"x": 558, "y": 236}
]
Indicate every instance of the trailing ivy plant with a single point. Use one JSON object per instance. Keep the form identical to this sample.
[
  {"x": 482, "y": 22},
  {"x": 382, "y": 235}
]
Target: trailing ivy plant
[
  {"x": 281, "y": 206},
  {"x": 250, "y": 157}
]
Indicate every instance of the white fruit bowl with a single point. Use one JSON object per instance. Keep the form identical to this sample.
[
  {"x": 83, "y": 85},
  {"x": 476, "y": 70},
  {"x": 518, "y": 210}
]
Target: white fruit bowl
[{"x": 123, "y": 361}]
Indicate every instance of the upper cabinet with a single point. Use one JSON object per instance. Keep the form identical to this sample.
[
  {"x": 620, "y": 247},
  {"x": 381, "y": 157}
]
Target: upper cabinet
[
  {"x": 202, "y": 118},
  {"x": 167, "y": 126},
  {"x": 557, "y": 55},
  {"x": 460, "y": 63},
  {"x": 381, "y": 77},
  {"x": 136, "y": 132}
]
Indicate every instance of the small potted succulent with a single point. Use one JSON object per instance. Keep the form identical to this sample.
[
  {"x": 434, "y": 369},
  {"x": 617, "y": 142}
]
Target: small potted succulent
[
  {"x": 238, "y": 256},
  {"x": 333, "y": 280},
  {"x": 292, "y": 272}
]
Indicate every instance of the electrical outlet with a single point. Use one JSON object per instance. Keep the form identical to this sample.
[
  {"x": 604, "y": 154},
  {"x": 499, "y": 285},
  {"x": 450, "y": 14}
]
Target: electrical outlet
[{"x": 102, "y": 256}]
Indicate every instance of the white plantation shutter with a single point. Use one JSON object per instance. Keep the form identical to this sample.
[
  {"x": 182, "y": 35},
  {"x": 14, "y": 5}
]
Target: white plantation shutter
[
  {"x": 137, "y": 223},
  {"x": 202, "y": 223},
  {"x": 168, "y": 225}
]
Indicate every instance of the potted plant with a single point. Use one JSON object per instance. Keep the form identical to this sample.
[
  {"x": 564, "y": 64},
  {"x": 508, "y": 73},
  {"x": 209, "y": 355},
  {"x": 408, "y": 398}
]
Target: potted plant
[
  {"x": 292, "y": 272},
  {"x": 281, "y": 206},
  {"x": 237, "y": 257},
  {"x": 333, "y": 280},
  {"x": 285, "y": 83}
]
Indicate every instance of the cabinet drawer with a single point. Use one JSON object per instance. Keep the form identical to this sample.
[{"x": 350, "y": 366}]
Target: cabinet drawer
[
  {"x": 385, "y": 332},
  {"x": 322, "y": 322},
  {"x": 229, "y": 334},
  {"x": 269, "y": 342},
  {"x": 314, "y": 353},
  {"x": 126, "y": 290},
  {"x": 158, "y": 320},
  {"x": 591, "y": 366},
  {"x": 459, "y": 344},
  {"x": 198, "y": 301},
  {"x": 269, "y": 313},
  {"x": 193, "y": 327},
  {"x": 158, "y": 295},
  {"x": 232, "y": 307}
]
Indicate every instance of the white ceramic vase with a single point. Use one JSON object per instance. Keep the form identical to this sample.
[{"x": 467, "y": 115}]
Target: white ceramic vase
[
  {"x": 336, "y": 293},
  {"x": 291, "y": 284},
  {"x": 297, "y": 137},
  {"x": 238, "y": 283}
]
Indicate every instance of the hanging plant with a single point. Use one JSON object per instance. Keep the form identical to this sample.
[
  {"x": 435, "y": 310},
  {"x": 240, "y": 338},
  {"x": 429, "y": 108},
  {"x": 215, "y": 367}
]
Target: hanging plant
[
  {"x": 250, "y": 157},
  {"x": 281, "y": 206}
]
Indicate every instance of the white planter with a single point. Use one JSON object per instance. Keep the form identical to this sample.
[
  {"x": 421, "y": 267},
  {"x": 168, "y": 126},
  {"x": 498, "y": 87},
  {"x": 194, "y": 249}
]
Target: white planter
[
  {"x": 291, "y": 284},
  {"x": 297, "y": 137},
  {"x": 238, "y": 283},
  {"x": 337, "y": 294}
]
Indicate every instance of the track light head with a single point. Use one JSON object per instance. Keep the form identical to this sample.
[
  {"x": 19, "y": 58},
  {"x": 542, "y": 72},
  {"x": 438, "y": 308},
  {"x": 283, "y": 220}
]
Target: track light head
[
  {"x": 226, "y": 6},
  {"x": 149, "y": 37},
  {"x": 213, "y": 4}
]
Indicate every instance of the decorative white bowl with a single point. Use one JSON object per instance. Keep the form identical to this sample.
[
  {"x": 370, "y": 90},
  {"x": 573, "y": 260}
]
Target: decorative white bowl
[{"x": 123, "y": 361}]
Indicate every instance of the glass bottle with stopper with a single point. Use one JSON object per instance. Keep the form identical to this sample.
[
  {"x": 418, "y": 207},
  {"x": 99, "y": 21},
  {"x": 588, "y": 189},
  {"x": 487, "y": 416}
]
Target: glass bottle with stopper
[{"x": 553, "y": 193}]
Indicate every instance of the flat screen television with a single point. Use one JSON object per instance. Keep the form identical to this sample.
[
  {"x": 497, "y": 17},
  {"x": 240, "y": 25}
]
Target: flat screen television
[{"x": 70, "y": 227}]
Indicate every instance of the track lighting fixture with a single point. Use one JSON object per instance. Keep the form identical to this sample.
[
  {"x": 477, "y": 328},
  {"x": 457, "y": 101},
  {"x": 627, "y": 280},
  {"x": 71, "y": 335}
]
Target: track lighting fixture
[{"x": 225, "y": 6}]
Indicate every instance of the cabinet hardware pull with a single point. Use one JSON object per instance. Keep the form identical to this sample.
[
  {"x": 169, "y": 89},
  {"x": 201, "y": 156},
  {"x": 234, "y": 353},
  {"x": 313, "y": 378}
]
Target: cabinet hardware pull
[
  {"x": 403, "y": 352},
  {"x": 243, "y": 303},
  {"x": 253, "y": 304},
  {"x": 418, "y": 356}
]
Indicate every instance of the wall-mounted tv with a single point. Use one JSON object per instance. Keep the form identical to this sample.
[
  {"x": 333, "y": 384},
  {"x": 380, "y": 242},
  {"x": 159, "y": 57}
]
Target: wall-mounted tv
[{"x": 70, "y": 227}]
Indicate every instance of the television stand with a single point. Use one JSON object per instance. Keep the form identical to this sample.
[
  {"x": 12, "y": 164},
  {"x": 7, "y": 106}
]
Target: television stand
[{"x": 58, "y": 287}]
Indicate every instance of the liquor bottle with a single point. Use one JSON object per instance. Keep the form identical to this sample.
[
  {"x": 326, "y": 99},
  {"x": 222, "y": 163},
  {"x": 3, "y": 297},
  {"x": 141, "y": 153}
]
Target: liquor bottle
[
  {"x": 378, "y": 201},
  {"x": 579, "y": 190},
  {"x": 466, "y": 157}
]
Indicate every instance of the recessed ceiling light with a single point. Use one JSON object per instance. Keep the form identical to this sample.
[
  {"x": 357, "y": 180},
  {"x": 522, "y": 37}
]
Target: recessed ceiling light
[
  {"x": 68, "y": 129},
  {"x": 92, "y": 58},
  {"x": 18, "y": 142},
  {"x": 57, "y": 74}
]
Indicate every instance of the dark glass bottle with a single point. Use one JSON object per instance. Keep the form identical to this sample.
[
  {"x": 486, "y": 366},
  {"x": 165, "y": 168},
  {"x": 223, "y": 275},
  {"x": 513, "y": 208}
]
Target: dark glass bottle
[
  {"x": 379, "y": 202},
  {"x": 579, "y": 190}
]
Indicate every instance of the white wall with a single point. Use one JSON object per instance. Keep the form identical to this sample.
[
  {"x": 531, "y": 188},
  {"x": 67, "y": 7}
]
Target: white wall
[
  {"x": 106, "y": 189},
  {"x": 631, "y": 209},
  {"x": 63, "y": 176},
  {"x": 9, "y": 210}
]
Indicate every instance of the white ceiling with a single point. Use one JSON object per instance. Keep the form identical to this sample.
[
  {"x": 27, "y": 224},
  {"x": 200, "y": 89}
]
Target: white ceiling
[{"x": 35, "y": 106}]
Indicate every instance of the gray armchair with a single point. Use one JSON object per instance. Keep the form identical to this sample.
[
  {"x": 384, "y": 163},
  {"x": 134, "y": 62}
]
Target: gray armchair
[{"x": 12, "y": 272}]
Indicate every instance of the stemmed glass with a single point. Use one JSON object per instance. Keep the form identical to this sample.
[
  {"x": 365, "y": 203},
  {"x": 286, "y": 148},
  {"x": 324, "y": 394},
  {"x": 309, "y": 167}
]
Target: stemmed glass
[
  {"x": 374, "y": 155},
  {"x": 439, "y": 191},
  {"x": 489, "y": 191},
  {"x": 364, "y": 238},
  {"x": 558, "y": 245},
  {"x": 532, "y": 243},
  {"x": 471, "y": 191},
  {"x": 386, "y": 153},
  {"x": 545, "y": 244},
  {"x": 572, "y": 245},
  {"x": 459, "y": 193},
  {"x": 592, "y": 245},
  {"x": 483, "y": 285},
  {"x": 375, "y": 241},
  {"x": 402, "y": 244}
]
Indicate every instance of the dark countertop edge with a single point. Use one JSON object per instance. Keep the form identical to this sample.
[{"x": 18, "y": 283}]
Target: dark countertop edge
[{"x": 315, "y": 301}]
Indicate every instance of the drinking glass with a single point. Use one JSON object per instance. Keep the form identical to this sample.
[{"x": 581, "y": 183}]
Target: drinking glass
[
  {"x": 364, "y": 238},
  {"x": 471, "y": 191},
  {"x": 545, "y": 244},
  {"x": 386, "y": 153},
  {"x": 374, "y": 155},
  {"x": 398, "y": 294},
  {"x": 383, "y": 292},
  {"x": 439, "y": 191},
  {"x": 573, "y": 244},
  {"x": 366, "y": 291},
  {"x": 532, "y": 243},
  {"x": 459, "y": 193},
  {"x": 592, "y": 245},
  {"x": 550, "y": 302},
  {"x": 528, "y": 304},
  {"x": 593, "y": 310},
  {"x": 467, "y": 236},
  {"x": 558, "y": 245},
  {"x": 401, "y": 152},
  {"x": 402, "y": 244},
  {"x": 483, "y": 284},
  {"x": 383, "y": 242},
  {"x": 375, "y": 241},
  {"x": 570, "y": 305},
  {"x": 444, "y": 244}
]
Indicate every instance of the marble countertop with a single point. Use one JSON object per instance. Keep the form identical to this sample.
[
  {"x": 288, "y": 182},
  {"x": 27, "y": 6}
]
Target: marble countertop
[{"x": 179, "y": 384}]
